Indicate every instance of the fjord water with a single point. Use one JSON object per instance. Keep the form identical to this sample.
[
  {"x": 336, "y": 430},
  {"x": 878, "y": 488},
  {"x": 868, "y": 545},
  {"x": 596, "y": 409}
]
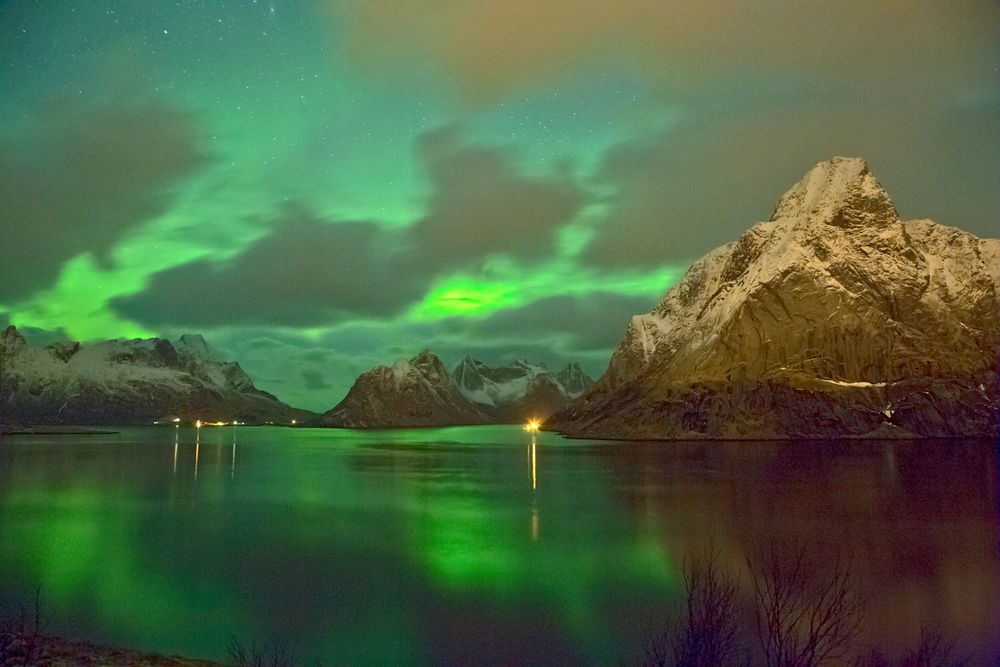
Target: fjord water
[{"x": 465, "y": 545}]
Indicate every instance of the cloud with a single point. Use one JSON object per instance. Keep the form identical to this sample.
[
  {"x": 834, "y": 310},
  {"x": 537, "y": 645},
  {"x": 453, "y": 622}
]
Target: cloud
[
  {"x": 481, "y": 204},
  {"x": 305, "y": 371},
  {"x": 308, "y": 271},
  {"x": 500, "y": 353},
  {"x": 577, "y": 323},
  {"x": 39, "y": 336},
  {"x": 766, "y": 90},
  {"x": 700, "y": 184},
  {"x": 313, "y": 380},
  {"x": 491, "y": 49},
  {"x": 80, "y": 179},
  {"x": 304, "y": 272}
]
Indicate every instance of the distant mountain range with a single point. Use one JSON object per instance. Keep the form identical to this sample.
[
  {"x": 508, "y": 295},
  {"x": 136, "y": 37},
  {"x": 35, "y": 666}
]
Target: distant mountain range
[
  {"x": 421, "y": 392},
  {"x": 128, "y": 382},
  {"x": 832, "y": 319}
]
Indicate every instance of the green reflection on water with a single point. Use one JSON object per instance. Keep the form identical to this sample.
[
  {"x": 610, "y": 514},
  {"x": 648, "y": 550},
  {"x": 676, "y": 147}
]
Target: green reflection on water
[
  {"x": 448, "y": 546},
  {"x": 337, "y": 539}
]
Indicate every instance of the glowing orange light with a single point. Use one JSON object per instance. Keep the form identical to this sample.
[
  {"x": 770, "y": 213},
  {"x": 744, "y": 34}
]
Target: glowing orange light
[
  {"x": 532, "y": 426},
  {"x": 197, "y": 423}
]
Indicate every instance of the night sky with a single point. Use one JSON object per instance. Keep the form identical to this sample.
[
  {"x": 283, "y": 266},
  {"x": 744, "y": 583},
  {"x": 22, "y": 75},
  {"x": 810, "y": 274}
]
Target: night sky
[{"x": 318, "y": 187}]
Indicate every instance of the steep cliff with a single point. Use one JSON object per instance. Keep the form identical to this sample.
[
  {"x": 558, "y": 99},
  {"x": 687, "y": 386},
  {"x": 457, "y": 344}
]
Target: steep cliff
[{"x": 834, "y": 318}]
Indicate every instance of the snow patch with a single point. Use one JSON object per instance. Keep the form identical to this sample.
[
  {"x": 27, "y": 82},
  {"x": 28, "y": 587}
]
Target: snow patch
[{"x": 843, "y": 383}]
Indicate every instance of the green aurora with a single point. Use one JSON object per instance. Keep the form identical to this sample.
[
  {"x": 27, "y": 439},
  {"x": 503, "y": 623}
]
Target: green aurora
[{"x": 322, "y": 186}]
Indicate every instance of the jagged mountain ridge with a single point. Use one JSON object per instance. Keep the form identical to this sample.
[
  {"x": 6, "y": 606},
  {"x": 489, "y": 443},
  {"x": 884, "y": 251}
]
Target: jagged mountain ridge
[
  {"x": 519, "y": 390},
  {"x": 414, "y": 392},
  {"x": 421, "y": 392},
  {"x": 127, "y": 382},
  {"x": 833, "y": 318}
]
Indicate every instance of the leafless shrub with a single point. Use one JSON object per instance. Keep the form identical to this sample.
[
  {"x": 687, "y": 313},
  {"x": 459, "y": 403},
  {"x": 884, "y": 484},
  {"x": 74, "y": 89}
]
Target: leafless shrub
[
  {"x": 805, "y": 616},
  {"x": 21, "y": 632},
  {"x": 709, "y": 635},
  {"x": 933, "y": 650},
  {"x": 875, "y": 657},
  {"x": 271, "y": 653}
]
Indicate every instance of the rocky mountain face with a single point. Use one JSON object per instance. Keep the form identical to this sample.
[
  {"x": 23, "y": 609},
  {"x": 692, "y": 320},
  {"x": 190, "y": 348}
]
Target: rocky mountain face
[
  {"x": 519, "y": 391},
  {"x": 832, "y": 319},
  {"x": 421, "y": 392},
  {"x": 120, "y": 382},
  {"x": 574, "y": 380},
  {"x": 414, "y": 392}
]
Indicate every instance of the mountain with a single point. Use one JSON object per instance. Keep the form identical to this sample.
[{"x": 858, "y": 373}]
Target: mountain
[
  {"x": 414, "y": 392},
  {"x": 574, "y": 380},
  {"x": 127, "y": 382},
  {"x": 421, "y": 392},
  {"x": 518, "y": 391},
  {"x": 832, "y": 319}
]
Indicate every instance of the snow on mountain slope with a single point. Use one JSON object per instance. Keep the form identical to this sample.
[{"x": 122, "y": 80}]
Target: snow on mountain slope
[
  {"x": 420, "y": 392},
  {"x": 497, "y": 385},
  {"x": 519, "y": 390},
  {"x": 126, "y": 381},
  {"x": 574, "y": 380},
  {"x": 413, "y": 392},
  {"x": 812, "y": 323}
]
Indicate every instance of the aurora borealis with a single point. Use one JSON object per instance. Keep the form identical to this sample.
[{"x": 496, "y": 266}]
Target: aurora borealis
[{"x": 318, "y": 187}]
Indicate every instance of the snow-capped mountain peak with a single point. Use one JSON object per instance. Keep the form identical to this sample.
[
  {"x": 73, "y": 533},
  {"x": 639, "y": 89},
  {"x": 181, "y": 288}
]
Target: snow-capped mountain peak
[
  {"x": 127, "y": 381},
  {"x": 11, "y": 340},
  {"x": 412, "y": 392},
  {"x": 574, "y": 380},
  {"x": 193, "y": 344},
  {"x": 420, "y": 392},
  {"x": 833, "y": 294},
  {"x": 424, "y": 367},
  {"x": 500, "y": 386},
  {"x": 834, "y": 188},
  {"x": 470, "y": 378}
]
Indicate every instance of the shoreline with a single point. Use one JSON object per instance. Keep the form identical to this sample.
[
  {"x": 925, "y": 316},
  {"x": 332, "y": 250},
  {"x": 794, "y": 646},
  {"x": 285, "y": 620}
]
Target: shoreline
[
  {"x": 60, "y": 652},
  {"x": 54, "y": 430}
]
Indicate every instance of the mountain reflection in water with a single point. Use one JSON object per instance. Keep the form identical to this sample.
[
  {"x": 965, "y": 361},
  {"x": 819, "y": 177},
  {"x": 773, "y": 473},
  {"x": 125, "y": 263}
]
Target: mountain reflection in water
[{"x": 441, "y": 545}]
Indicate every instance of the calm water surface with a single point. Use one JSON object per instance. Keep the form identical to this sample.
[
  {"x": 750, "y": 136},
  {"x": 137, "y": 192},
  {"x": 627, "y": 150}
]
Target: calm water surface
[{"x": 460, "y": 545}]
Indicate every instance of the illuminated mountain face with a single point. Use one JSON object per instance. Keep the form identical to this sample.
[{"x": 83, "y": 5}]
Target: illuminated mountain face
[
  {"x": 319, "y": 186},
  {"x": 833, "y": 318}
]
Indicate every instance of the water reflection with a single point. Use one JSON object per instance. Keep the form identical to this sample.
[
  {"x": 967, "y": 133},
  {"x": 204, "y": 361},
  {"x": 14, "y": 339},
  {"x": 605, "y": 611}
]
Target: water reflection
[
  {"x": 410, "y": 546},
  {"x": 890, "y": 462},
  {"x": 919, "y": 519},
  {"x": 534, "y": 486},
  {"x": 219, "y": 445},
  {"x": 534, "y": 443}
]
